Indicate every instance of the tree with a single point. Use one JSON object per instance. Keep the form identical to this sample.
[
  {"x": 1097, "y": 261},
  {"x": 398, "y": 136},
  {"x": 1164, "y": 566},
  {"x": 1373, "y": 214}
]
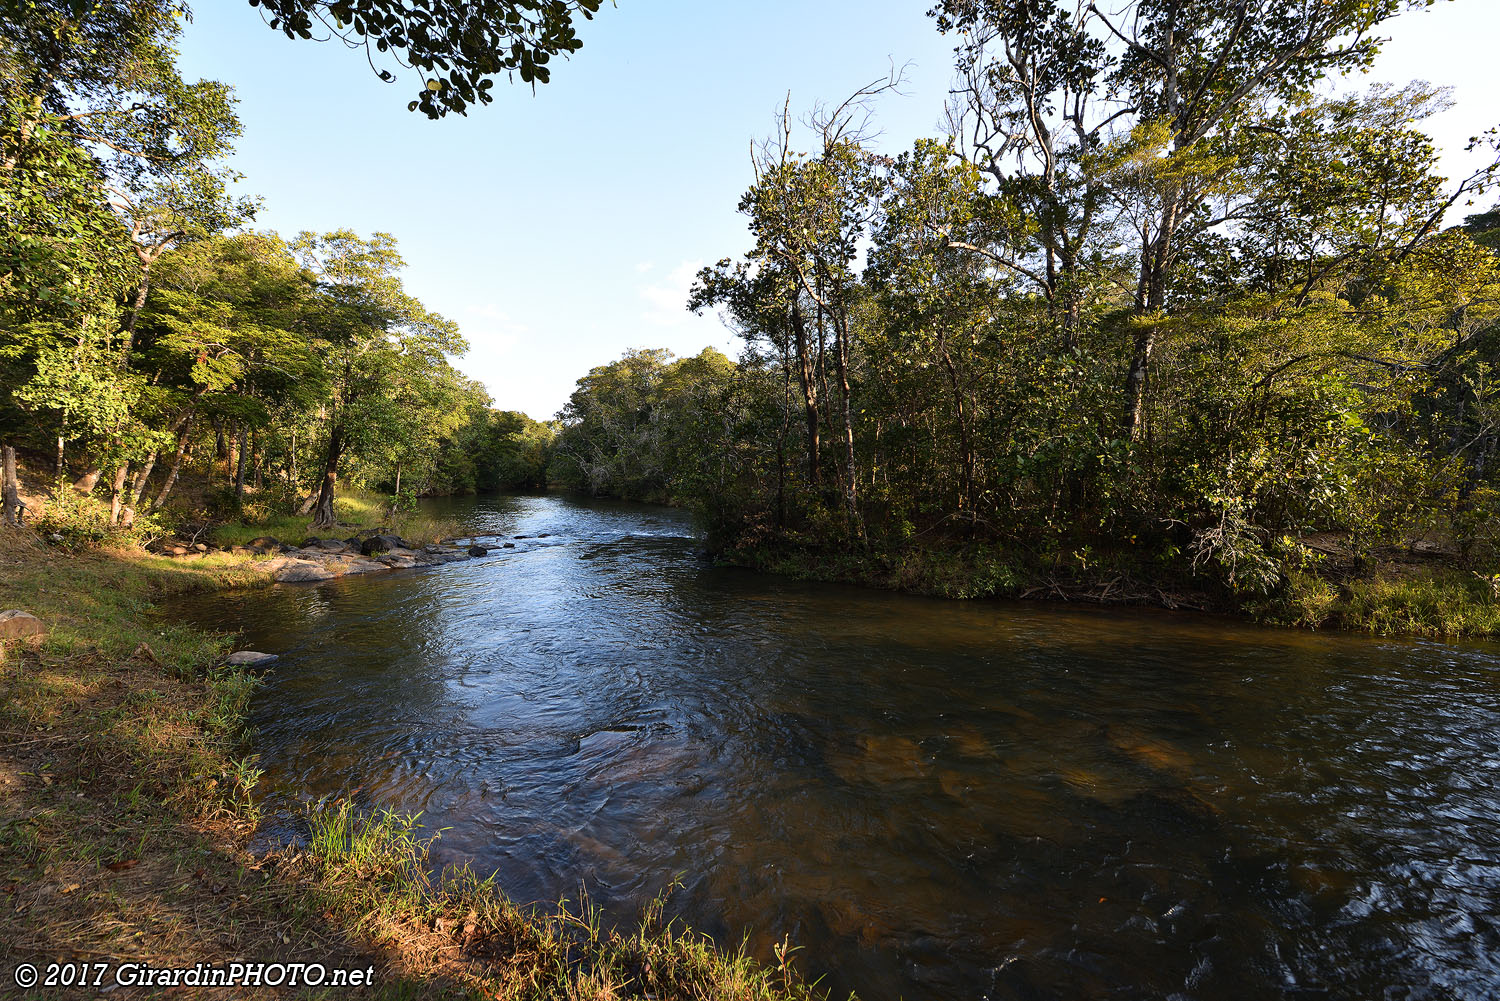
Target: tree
[
  {"x": 1047, "y": 85},
  {"x": 458, "y": 48},
  {"x": 367, "y": 333}
]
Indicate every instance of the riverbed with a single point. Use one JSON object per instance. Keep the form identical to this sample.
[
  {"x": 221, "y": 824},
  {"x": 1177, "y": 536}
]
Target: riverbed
[{"x": 934, "y": 799}]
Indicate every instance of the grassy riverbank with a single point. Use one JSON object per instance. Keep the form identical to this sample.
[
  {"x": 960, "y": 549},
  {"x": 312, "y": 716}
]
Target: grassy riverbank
[
  {"x": 127, "y": 805},
  {"x": 1395, "y": 593}
]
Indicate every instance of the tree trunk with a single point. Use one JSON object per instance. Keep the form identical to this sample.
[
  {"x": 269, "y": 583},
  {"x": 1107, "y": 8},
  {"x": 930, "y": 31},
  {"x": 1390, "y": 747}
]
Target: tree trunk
[
  {"x": 139, "y": 479},
  {"x": 1135, "y": 380},
  {"x": 166, "y": 488},
  {"x": 809, "y": 396},
  {"x": 135, "y": 312},
  {"x": 117, "y": 493},
  {"x": 965, "y": 440},
  {"x": 239, "y": 466},
  {"x": 10, "y": 494},
  {"x": 323, "y": 510},
  {"x": 1151, "y": 298},
  {"x": 851, "y": 471},
  {"x": 59, "y": 457}
]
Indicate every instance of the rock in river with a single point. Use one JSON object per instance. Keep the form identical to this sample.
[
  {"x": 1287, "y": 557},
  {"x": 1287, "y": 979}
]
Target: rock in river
[
  {"x": 249, "y": 658},
  {"x": 478, "y": 551}
]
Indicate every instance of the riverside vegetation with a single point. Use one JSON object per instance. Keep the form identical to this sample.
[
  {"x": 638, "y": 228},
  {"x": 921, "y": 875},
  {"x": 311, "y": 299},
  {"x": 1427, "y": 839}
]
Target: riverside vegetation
[{"x": 1166, "y": 317}]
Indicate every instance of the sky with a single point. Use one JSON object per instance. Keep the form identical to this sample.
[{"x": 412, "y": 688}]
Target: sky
[{"x": 561, "y": 228}]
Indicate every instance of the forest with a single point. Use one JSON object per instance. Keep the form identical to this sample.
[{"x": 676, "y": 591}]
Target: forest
[
  {"x": 1165, "y": 305},
  {"x": 148, "y": 328},
  {"x": 1171, "y": 301}
]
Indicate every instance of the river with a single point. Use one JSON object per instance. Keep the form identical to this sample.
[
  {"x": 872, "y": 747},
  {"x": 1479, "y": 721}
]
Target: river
[{"x": 935, "y": 799}]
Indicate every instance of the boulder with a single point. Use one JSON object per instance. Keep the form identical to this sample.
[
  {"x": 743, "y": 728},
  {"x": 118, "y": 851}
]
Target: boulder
[
  {"x": 199, "y": 547},
  {"x": 265, "y": 543},
  {"x": 509, "y": 545},
  {"x": 381, "y": 544},
  {"x": 18, "y": 625},
  {"x": 304, "y": 570},
  {"x": 249, "y": 658},
  {"x": 478, "y": 551},
  {"x": 311, "y": 542}
]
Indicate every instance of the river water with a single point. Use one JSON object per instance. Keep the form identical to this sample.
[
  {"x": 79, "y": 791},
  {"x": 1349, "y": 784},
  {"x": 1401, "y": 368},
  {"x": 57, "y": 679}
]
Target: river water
[{"x": 935, "y": 799}]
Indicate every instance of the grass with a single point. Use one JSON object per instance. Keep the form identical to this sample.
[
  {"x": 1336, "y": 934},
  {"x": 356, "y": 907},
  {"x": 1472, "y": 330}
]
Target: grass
[
  {"x": 1390, "y": 601},
  {"x": 356, "y": 510},
  {"x": 127, "y": 801}
]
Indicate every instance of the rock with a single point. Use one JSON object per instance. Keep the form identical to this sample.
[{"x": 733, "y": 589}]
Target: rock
[
  {"x": 199, "y": 547},
  {"x": 311, "y": 542},
  {"x": 478, "y": 551},
  {"x": 55, "y": 537},
  {"x": 249, "y": 658},
  {"x": 304, "y": 570},
  {"x": 544, "y": 535},
  {"x": 264, "y": 542},
  {"x": 175, "y": 550},
  {"x": 380, "y": 544},
  {"x": 18, "y": 625},
  {"x": 509, "y": 545},
  {"x": 520, "y": 536}
]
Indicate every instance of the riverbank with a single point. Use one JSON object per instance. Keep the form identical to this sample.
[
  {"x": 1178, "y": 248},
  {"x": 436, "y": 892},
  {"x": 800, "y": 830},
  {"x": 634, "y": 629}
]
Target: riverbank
[
  {"x": 1398, "y": 592},
  {"x": 127, "y": 809}
]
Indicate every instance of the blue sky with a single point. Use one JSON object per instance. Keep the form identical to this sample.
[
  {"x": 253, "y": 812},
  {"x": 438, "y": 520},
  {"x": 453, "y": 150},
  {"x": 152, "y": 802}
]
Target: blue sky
[{"x": 561, "y": 229}]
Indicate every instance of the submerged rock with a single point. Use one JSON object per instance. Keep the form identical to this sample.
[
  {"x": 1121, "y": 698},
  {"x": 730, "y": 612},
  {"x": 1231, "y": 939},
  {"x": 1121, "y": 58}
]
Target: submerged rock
[
  {"x": 250, "y": 658},
  {"x": 478, "y": 551}
]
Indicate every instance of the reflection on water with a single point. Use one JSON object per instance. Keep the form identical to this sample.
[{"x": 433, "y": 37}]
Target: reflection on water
[{"x": 938, "y": 800}]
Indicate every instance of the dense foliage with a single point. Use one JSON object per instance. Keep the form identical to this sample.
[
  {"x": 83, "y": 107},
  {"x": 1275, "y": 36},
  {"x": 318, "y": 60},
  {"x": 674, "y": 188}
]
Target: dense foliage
[
  {"x": 1161, "y": 301},
  {"x": 142, "y": 328}
]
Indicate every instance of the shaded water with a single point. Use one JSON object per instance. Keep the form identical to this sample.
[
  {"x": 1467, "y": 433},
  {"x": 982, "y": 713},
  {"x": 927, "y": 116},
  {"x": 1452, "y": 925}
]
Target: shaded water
[{"x": 936, "y": 799}]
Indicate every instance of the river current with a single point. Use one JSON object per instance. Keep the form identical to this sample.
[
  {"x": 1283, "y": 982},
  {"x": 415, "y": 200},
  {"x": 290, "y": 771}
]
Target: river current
[{"x": 934, "y": 799}]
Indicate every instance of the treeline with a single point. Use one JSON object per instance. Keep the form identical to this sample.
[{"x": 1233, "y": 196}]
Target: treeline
[
  {"x": 143, "y": 330},
  {"x": 1159, "y": 300}
]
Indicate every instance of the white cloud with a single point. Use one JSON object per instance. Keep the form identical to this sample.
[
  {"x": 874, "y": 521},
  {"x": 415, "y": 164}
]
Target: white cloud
[
  {"x": 644, "y": 266},
  {"x": 668, "y": 298}
]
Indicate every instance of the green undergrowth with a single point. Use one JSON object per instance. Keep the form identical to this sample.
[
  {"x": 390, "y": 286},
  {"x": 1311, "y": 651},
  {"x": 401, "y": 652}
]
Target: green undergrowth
[
  {"x": 1384, "y": 598},
  {"x": 1428, "y": 602}
]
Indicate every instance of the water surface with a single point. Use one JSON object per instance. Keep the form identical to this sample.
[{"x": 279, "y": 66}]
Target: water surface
[{"x": 936, "y": 799}]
